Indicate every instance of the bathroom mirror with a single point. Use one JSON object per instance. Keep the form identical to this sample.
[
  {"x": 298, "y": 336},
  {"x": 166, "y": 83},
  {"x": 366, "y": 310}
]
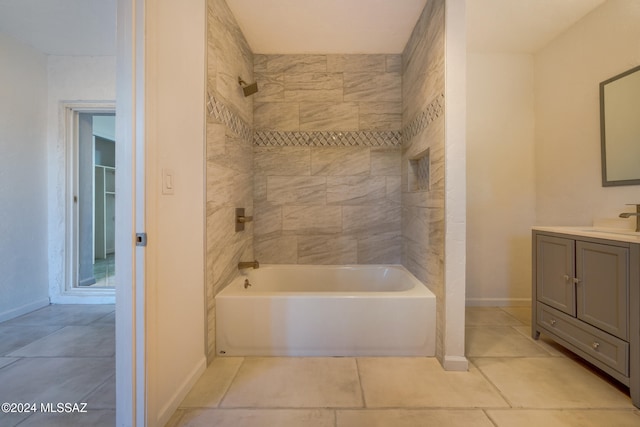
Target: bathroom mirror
[{"x": 620, "y": 129}]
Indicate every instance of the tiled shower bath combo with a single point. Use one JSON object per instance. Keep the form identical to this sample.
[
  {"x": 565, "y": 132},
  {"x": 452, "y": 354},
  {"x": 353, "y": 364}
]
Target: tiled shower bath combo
[{"x": 338, "y": 158}]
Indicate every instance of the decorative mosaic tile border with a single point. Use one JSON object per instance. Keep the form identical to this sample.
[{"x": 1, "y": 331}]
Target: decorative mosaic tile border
[
  {"x": 328, "y": 139},
  {"x": 219, "y": 111},
  {"x": 434, "y": 110}
]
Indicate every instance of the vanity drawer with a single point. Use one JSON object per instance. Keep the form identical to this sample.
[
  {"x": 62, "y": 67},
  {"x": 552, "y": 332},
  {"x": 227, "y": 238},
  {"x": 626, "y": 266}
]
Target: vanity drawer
[{"x": 600, "y": 345}]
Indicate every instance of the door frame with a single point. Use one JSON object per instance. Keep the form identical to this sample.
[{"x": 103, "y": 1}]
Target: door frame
[
  {"x": 131, "y": 372},
  {"x": 160, "y": 314},
  {"x": 68, "y": 293}
]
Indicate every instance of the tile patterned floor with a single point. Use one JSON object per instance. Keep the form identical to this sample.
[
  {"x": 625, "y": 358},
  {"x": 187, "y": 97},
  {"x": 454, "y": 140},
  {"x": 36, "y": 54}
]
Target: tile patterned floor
[
  {"x": 66, "y": 353},
  {"x": 60, "y": 354},
  {"x": 512, "y": 381}
]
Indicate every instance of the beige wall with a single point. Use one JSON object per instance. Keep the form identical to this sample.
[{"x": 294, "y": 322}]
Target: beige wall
[
  {"x": 327, "y": 159},
  {"x": 174, "y": 257},
  {"x": 534, "y": 146},
  {"x": 423, "y": 124},
  {"x": 23, "y": 164},
  {"x": 567, "y": 73},
  {"x": 500, "y": 178}
]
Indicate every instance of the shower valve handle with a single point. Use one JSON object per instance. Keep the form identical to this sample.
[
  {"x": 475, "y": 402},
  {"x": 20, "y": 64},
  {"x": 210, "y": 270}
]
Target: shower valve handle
[{"x": 243, "y": 219}]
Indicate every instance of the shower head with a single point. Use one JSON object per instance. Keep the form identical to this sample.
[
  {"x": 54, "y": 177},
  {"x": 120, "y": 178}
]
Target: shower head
[{"x": 248, "y": 89}]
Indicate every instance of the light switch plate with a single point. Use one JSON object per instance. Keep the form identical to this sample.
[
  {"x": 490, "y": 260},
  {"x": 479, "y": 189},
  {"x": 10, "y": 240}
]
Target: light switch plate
[{"x": 168, "y": 181}]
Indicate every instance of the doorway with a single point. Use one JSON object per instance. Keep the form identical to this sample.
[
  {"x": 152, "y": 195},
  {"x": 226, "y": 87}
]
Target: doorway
[
  {"x": 91, "y": 194},
  {"x": 96, "y": 200}
]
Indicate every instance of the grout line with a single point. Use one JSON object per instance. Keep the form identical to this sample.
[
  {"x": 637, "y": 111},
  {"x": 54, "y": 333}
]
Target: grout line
[
  {"x": 510, "y": 315},
  {"x": 110, "y": 378},
  {"x": 495, "y": 387},
  {"x": 491, "y": 420},
  {"x": 177, "y": 422},
  {"x": 62, "y": 357},
  {"x": 235, "y": 375},
  {"x": 542, "y": 345},
  {"x": 364, "y": 400},
  {"x": 402, "y": 408},
  {"x": 563, "y": 409},
  {"x": 16, "y": 359},
  {"x": 471, "y": 358}
]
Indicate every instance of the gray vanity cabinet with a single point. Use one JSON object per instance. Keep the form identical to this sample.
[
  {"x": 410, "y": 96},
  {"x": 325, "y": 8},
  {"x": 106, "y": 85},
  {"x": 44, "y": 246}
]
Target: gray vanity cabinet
[
  {"x": 586, "y": 297},
  {"x": 602, "y": 289},
  {"x": 555, "y": 269}
]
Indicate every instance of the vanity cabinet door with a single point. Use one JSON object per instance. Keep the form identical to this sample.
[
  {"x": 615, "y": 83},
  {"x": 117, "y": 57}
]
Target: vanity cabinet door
[
  {"x": 603, "y": 287},
  {"x": 555, "y": 268}
]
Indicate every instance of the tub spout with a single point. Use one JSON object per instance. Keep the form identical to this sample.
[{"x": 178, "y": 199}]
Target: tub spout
[{"x": 248, "y": 264}]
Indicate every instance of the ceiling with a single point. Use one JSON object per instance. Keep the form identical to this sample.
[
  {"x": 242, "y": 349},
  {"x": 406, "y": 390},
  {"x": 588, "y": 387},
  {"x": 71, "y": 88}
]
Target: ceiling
[
  {"x": 521, "y": 26},
  {"x": 327, "y": 26},
  {"x": 384, "y": 26},
  {"x": 87, "y": 27},
  {"x": 62, "y": 27}
]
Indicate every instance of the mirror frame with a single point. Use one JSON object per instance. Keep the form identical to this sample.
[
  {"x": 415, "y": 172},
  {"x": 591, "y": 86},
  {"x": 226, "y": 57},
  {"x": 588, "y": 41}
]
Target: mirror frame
[{"x": 603, "y": 145}]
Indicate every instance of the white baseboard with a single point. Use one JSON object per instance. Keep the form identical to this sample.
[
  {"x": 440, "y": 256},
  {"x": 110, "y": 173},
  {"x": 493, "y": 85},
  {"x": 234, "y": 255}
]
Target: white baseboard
[
  {"x": 86, "y": 298},
  {"x": 455, "y": 363},
  {"x": 498, "y": 302},
  {"x": 181, "y": 391},
  {"x": 27, "y": 308}
]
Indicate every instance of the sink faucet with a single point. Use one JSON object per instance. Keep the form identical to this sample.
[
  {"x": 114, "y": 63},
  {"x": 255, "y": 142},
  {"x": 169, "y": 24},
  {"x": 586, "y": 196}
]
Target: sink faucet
[
  {"x": 636, "y": 214},
  {"x": 248, "y": 264}
]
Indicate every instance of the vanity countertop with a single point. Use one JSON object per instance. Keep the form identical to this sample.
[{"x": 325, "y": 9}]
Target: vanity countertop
[{"x": 618, "y": 234}]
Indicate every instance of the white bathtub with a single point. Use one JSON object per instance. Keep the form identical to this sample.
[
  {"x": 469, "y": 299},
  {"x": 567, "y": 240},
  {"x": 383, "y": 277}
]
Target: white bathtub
[{"x": 309, "y": 310}]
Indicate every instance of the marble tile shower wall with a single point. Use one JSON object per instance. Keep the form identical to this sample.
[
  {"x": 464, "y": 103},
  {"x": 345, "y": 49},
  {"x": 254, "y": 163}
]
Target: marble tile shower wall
[
  {"x": 327, "y": 163},
  {"x": 229, "y": 154},
  {"x": 423, "y": 124}
]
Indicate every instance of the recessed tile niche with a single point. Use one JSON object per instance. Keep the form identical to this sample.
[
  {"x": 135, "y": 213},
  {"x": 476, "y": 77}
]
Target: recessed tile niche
[{"x": 419, "y": 172}]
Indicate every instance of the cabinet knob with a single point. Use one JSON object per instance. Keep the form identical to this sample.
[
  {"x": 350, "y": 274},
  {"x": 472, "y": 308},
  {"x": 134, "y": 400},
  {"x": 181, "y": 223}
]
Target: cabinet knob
[
  {"x": 553, "y": 322},
  {"x": 566, "y": 277},
  {"x": 595, "y": 345},
  {"x": 576, "y": 280}
]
